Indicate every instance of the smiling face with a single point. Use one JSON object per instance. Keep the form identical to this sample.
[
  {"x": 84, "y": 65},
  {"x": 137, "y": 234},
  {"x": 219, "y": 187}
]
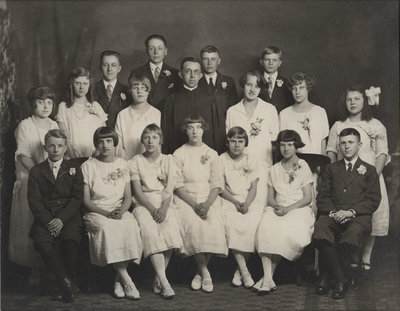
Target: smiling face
[
  {"x": 43, "y": 108},
  {"x": 55, "y": 147},
  {"x": 354, "y": 102},
  {"x": 236, "y": 146},
  {"x": 156, "y": 50},
  {"x": 106, "y": 146},
  {"x": 210, "y": 62},
  {"x": 139, "y": 93},
  {"x": 195, "y": 131},
  {"x": 191, "y": 74},
  {"x": 271, "y": 63},
  {"x": 151, "y": 141},
  {"x": 251, "y": 89},
  {"x": 300, "y": 92},
  {"x": 80, "y": 86},
  {"x": 287, "y": 149},
  {"x": 349, "y": 145},
  {"x": 110, "y": 67}
]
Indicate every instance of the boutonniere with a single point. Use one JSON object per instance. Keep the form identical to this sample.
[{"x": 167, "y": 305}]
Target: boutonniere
[
  {"x": 279, "y": 82},
  {"x": 171, "y": 85},
  {"x": 123, "y": 96},
  {"x": 204, "y": 158},
  {"x": 361, "y": 170},
  {"x": 224, "y": 85},
  {"x": 167, "y": 72},
  {"x": 72, "y": 171}
]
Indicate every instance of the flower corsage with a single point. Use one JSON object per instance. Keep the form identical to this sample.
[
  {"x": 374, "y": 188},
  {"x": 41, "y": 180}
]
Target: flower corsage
[
  {"x": 123, "y": 96},
  {"x": 72, "y": 171},
  {"x": 279, "y": 82},
  {"x": 361, "y": 170},
  {"x": 204, "y": 158},
  {"x": 167, "y": 72},
  {"x": 224, "y": 85},
  {"x": 256, "y": 127}
]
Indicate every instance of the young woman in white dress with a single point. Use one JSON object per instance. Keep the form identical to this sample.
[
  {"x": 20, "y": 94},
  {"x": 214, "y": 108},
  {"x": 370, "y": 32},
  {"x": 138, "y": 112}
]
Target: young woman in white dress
[
  {"x": 153, "y": 176},
  {"x": 288, "y": 222},
  {"x": 197, "y": 201},
  {"x": 241, "y": 211},
  {"x": 132, "y": 120},
  {"x": 29, "y": 136},
  {"x": 308, "y": 120},
  {"x": 260, "y": 121},
  {"x": 114, "y": 234},
  {"x": 79, "y": 117},
  {"x": 357, "y": 112}
]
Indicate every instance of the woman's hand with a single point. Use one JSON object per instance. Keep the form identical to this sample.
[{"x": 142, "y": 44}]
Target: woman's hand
[
  {"x": 116, "y": 213},
  {"x": 161, "y": 214},
  {"x": 202, "y": 210},
  {"x": 280, "y": 210},
  {"x": 243, "y": 208}
]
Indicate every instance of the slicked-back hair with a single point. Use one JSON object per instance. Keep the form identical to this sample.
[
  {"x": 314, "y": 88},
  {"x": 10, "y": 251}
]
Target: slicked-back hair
[
  {"x": 154, "y": 36},
  {"x": 350, "y": 131},
  {"x": 189, "y": 60},
  {"x": 55, "y": 133},
  {"x": 110, "y": 53},
  {"x": 209, "y": 49},
  {"x": 271, "y": 50}
]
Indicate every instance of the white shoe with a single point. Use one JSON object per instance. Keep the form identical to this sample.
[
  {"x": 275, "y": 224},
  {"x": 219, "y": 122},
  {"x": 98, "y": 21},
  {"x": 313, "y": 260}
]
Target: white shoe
[
  {"x": 237, "y": 280},
  {"x": 131, "y": 291},
  {"x": 207, "y": 286},
  {"x": 118, "y": 290},
  {"x": 247, "y": 280},
  {"x": 168, "y": 292},
  {"x": 156, "y": 286},
  {"x": 258, "y": 285},
  {"x": 196, "y": 282}
]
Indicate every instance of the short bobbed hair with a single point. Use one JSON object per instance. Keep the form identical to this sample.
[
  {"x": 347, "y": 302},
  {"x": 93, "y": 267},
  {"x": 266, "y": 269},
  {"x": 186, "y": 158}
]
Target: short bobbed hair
[
  {"x": 350, "y": 131},
  {"x": 243, "y": 79},
  {"x": 271, "y": 50},
  {"x": 105, "y": 132},
  {"x": 367, "y": 111},
  {"x": 76, "y": 73},
  {"x": 239, "y": 133},
  {"x": 55, "y": 133},
  {"x": 154, "y": 36},
  {"x": 40, "y": 92},
  {"x": 110, "y": 53},
  {"x": 298, "y": 77},
  {"x": 194, "y": 119},
  {"x": 290, "y": 135},
  {"x": 135, "y": 80},
  {"x": 189, "y": 60},
  {"x": 209, "y": 49},
  {"x": 152, "y": 128}
]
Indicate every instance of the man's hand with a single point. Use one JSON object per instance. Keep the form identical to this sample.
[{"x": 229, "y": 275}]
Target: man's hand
[
  {"x": 55, "y": 226},
  {"x": 342, "y": 216}
]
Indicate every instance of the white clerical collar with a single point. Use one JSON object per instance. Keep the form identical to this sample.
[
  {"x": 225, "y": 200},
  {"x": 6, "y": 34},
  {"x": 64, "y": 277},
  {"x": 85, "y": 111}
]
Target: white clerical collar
[
  {"x": 189, "y": 88},
  {"x": 353, "y": 162},
  {"x": 212, "y": 75},
  {"x": 112, "y": 82},
  {"x": 273, "y": 76},
  {"x": 153, "y": 66},
  {"x": 57, "y": 163}
]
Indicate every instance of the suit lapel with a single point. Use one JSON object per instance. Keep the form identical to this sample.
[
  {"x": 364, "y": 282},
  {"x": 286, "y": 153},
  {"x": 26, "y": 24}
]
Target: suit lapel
[
  {"x": 354, "y": 172},
  {"x": 342, "y": 172},
  {"x": 63, "y": 170},
  {"x": 102, "y": 92},
  {"x": 47, "y": 172}
]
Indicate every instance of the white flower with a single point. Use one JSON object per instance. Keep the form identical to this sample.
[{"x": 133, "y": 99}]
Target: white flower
[
  {"x": 361, "y": 170},
  {"x": 224, "y": 85},
  {"x": 373, "y": 95},
  {"x": 123, "y": 96},
  {"x": 72, "y": 171},
  {"x": 167, "y": 72},
  {"x": 279, "y": 82},
  {"x": 171, "y": 85}
]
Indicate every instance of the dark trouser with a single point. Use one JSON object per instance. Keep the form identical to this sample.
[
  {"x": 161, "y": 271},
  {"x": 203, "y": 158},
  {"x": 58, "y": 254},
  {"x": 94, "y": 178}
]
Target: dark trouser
[{"x": 61, "y": 258}]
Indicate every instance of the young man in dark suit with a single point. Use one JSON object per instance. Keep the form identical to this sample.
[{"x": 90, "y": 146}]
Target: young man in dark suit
[
  {"x": 275, "y": 87},
  {"x": 190, "y": 99},
  {"x": 347, "y": 197},
  {"x": 218, "y": 85},
  {"x": 55, "y": 190},
  {"x": 163, "y": 78},
  {"x": 111, "y": 94}
]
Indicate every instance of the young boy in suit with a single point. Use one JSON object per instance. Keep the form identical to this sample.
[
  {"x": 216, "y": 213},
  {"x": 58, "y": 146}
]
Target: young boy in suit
[
  {"x": 275, "y": 87},
  {"x": 348, "y": 195},
  {"x": 163, "y": 78},
  {"x": 55, "y": 190},
  {"x": 218, "y": 85},
  {"x": 111, "y": 94}
]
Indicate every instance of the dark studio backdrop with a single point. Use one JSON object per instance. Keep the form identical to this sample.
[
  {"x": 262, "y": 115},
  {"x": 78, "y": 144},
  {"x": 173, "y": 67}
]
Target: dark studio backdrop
[{"x": 340, "y": 42}]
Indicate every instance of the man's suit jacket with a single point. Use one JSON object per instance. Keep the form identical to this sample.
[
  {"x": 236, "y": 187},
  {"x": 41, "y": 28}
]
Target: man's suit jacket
[
  {"x": 120, "y": 99},
  {"x": 281, "y": 95},
  {"x": 51, "y": 198},
  {"x": 166, "y": 84},
  {"x": 358, "y": 190}
]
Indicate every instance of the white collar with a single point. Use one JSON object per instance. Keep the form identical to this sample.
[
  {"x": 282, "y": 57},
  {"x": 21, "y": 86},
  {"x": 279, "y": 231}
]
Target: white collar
[
  {"x": 189, "y": 88},
  {"x": 213, "y": 76},
  {"x": 353, "y": 162},
  {"x": 112, "y": 82},
  {"x": 153, "y": 66},
  {"x": 273, "y": 76},
  {"x": 58, "y": 163}
]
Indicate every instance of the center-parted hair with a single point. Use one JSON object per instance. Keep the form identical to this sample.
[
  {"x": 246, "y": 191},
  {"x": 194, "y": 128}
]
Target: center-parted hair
[
  {"x": 76, "y": 73},
  {"x": 194, "y": 119},
  {"x": 105, "y": 132},
  {"x": 152, "y": 128},
  {"x": 350, "y": 131},
  {"x": 239, "y": 133},
  {"x": 55, "y": 133},
  {"x": 366, "y": 112},
  {"x": 290, "y": 135}
]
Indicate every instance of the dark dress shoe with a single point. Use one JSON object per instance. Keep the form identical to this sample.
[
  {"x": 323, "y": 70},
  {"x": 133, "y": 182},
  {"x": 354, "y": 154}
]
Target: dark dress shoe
[
  {"x": 339, "y": 290},
  {"x": 323, "y": 285},
  {"x": 67, "y": 290}
]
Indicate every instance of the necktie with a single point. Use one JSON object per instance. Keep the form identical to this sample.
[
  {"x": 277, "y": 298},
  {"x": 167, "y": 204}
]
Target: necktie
[
  {"x": 270, "y": 86},
  {"x": 55, "y": 168},
  {"x": 211, "y": 84},
  {"x": 349, "y": 168},
  {"x": 109, "y": 92},
  {"x": 156, "y": 73}
]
